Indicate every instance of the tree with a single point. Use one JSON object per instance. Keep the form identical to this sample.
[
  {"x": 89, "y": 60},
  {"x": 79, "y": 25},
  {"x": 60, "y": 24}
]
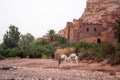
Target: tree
[
  {"x": 40, "y": 42},
  {"x": 11, "y": 38},
  {"x": 25, "y": 42},
  {"x": 60, "y": 39},
  {"x": 51, "y": 34},
  {"x": 116, "y": 29}
]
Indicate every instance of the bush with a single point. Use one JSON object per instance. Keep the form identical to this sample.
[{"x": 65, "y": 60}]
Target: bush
[
  {"x": 73, "y": 43},
  {"x": 21, "y": 54},
  {"x": 83, "y": 56},
  {"x": 31, "y": 55},
  {"x": 38, "y": 55},
  {"x": 82, "y": 44},
  {"x": 2, "y": 57},
  {"x": 90, "y": 54},
  {"x": 14, "y": 52},
  {"x": 107, "y": 48},
  {"x": 90, "y": 51},
  {"x": 61, "y": 40},
  {"x": 114, "y": 59},
  {"x": 94, "y": 51},
  {"x": 6, "y": 53},
  {"x": 44, "y": 56}
]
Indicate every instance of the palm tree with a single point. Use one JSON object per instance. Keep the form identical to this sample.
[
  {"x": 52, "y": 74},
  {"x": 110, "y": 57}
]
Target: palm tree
[
  {"x": 51, "y": 34},
  {"x": 116, "y": 29}
]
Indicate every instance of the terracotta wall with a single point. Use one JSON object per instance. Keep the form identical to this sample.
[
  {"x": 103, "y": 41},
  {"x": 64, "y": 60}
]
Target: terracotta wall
[{"x": 78, "y": 30}]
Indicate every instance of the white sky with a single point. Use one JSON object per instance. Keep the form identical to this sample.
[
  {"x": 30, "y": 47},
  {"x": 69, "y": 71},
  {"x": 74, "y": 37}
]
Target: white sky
[{"x": 38, "y": 16}]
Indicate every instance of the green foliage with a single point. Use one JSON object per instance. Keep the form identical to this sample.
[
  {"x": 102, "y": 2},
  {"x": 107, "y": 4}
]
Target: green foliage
[
  {"x": 107, "y": 48},
  {"x": 61, "y": 40},
  {"x": 83, "y": 56},
  {"x": 82, "y": 44},
  {"x": 11, "y": 37},
  {"x": 14, "y": 52},
  {"x": 2, "y": 57},
  {"x": 22, "y": 54},
  {"x": 17, "y": 45},
  {"x": 51, "y": 34},
  {"x": 41, "y": 47},
  {"x": 73, "y": 43},
  {"x": 44, "y": 56},
  {"x": 51, "y": 49},
  {"x": 115, "y": 58},
  {"x": 38, "y": 42},
  {"x": 36, "y": 51},
  {"x": 91, "y": 53},
  {"x": 88, "y": 50},
  {"x": 2, "y": 50},
  {"x": 116, "y": 29},
  {"x": 98, "y": 52},
  {"x": 6, "y": 52},
  {"x": 24, "y": 44}
]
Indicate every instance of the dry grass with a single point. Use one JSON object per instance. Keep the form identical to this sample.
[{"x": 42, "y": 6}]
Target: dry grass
[{"x": 66, "y": 51}]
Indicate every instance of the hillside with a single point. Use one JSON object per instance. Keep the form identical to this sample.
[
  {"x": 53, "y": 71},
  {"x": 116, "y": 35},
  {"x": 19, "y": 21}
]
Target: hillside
[{"x": 96, "y": 8}]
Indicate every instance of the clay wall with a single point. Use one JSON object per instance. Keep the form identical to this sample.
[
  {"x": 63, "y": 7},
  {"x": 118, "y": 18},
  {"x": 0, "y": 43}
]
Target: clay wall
[
  {"x": 90, "y": 29},
  {"x": 84, "y": 30}
]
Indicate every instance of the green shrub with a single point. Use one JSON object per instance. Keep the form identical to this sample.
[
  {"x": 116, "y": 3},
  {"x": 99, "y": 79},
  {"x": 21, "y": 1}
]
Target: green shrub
[
  {"x": 82, "y": 44},
  {"x": 6, "y": 53},
  {"x": 2, "y": 57},
  {"x": 83, "y": 56},
  {"x": 21, "y": 54},
  {"x": 61, "y": 40},
  {"x": 107, "y": 48},
  {"x": 73, "y": 43},
  {"x": 115, "y": 58},
  {"x": 38, "y": 55},
  {"x": 31, "y": 55},
  {"x": 94, "y": 51},
  {"x": 89, "y": 50},
  {"x": 14, "y": 52},
  {"x": 44, "y": 56}
]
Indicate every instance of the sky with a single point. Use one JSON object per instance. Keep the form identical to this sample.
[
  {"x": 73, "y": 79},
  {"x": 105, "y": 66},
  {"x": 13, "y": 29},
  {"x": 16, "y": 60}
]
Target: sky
[{"x": 38, "y": 16}]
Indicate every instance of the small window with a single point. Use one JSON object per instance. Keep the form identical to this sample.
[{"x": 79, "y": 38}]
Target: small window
[
  {"x": 87, "y": 29},
  {"x": 94, "y": 29}
]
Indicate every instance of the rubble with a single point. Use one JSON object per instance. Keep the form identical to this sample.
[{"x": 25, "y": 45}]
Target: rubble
[{"x": 47, "y": 69}]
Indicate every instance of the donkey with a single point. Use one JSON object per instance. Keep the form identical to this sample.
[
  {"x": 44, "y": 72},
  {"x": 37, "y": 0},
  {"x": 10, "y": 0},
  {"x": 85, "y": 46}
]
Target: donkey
[{"x": 73, "y": 57}]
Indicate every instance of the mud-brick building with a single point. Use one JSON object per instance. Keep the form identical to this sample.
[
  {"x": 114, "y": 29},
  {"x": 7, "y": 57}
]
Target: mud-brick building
[
  {"x": 100, "y": 28},
  {"x": 96, "y": 22},
  {"x": 78, "y": 30}
]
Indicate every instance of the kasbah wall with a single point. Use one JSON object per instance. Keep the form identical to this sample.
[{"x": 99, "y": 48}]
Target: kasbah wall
[{"x": 100, "y": 28}]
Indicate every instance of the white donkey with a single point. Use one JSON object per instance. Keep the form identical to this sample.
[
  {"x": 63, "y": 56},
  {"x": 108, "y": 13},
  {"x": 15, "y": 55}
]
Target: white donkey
[
  {"x": 63, "y": 57},
  {"x": 73, "y": 56}
]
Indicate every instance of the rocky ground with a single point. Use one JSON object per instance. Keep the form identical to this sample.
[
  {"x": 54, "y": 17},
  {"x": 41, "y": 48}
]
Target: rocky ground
[{"x": 47, "y": 69}]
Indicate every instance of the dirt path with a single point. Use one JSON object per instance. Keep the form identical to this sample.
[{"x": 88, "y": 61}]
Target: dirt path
[{"x": 47, "y": 69}]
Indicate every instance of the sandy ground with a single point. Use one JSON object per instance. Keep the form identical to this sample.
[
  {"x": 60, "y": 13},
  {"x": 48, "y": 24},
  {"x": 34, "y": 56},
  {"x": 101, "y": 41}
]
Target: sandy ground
[{"x": 47, "y": 69}]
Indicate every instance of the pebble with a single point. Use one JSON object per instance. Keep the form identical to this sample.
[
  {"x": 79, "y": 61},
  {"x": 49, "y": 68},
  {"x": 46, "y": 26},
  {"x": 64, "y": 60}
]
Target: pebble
[{"x": 56, "y": 73}]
